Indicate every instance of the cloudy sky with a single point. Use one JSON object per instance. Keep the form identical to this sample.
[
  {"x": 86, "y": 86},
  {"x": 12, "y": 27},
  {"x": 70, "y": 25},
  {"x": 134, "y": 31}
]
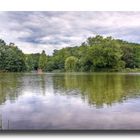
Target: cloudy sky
[{"x": 35, "y": 31}]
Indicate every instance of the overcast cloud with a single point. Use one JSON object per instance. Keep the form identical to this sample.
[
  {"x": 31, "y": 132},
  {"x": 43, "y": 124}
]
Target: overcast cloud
[{"x": 35, "y": 31}]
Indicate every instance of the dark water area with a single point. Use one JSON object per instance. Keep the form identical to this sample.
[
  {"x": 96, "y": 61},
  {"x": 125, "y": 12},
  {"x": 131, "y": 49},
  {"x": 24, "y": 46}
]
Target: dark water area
[{"x": 69, "y": 101}]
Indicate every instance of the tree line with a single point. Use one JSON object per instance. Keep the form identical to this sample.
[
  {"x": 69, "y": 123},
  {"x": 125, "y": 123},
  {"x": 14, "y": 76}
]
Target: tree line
[{"x": 95, "y": 54}]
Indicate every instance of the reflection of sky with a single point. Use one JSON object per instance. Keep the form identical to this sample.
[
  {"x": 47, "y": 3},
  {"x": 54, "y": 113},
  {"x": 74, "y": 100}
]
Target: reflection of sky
[
  {"x": 51, "y": 111},
  {"x": 48, "y": 107}
]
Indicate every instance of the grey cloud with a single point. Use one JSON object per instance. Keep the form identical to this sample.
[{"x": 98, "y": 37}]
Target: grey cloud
[{"x": 34, "y": 31}]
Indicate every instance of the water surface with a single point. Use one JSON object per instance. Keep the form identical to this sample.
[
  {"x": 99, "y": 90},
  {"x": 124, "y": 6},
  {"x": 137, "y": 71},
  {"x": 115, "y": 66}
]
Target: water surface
[{"x": 69, "y": 101}]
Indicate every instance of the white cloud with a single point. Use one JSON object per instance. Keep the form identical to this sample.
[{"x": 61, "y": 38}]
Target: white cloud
[{"x": 34, "y": 31}]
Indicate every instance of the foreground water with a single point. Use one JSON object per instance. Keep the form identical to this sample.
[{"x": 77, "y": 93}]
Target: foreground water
[{"x": 69, "y": 101}]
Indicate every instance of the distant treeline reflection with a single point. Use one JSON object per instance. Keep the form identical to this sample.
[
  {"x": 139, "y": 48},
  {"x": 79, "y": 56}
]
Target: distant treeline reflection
[
  {"x": 94, "y": 88},
  {"x": 99, "y": 89}
]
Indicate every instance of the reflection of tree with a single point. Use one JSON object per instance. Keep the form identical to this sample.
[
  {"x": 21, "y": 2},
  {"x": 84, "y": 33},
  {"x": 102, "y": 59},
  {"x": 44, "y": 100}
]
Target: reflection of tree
[
  {"x": 12, "y": 85},
  {"x": 101, "y": 89},
  {"x": 0, "y": 121},
  {"x": 9, "y": 86},
  {"x": 42, "y": 82}
]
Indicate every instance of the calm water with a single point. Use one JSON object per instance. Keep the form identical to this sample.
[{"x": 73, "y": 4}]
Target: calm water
[{"x": 70, "y": 101}]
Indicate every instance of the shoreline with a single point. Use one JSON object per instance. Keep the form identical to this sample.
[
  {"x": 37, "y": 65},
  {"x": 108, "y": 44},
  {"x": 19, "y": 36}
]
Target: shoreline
[{"x": 122, "y": 71}]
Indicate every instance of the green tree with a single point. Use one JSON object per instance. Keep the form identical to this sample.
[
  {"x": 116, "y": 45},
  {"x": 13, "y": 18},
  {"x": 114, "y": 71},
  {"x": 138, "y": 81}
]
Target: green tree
[
  {"x": 14, "y": 60},
  {"x": 29, "y": 62},
  {"x": 137, "y": 57},
  {"x": 128, "y": 56},
  {"x": 105, "y": 53},
  {"x": 95, "y": 54},
  {"x": 71, "y": 64},
  {"x": 32, "y": 61},
  {"x": 43, "y": 61},
  {"x": 11, "y": 58}
]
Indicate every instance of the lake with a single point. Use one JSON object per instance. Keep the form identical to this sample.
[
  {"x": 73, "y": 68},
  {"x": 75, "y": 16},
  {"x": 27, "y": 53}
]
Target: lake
[{"x": 63, "y": 101}]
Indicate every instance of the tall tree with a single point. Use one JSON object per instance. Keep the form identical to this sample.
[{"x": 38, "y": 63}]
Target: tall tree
[
  {"x": 71, "y": 64},
  {"x": 11, "y": 58},
  {"x": 43, "y": 61}
]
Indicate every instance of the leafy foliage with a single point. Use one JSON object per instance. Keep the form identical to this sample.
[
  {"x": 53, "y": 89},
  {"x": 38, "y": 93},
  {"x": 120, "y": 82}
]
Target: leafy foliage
[
  {"x": 98, "y": 54},
  {"x": 71, "y": 64},
  {"x": 11, "y": 58},
  {"x": 95, "y": 54},
  {"x": 43, "y": 61},
  {"x": 32, "y": 61}
]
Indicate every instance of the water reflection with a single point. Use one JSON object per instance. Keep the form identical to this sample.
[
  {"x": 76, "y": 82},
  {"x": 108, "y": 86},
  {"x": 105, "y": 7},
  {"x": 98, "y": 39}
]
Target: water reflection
[
  {"x": 69, "y": 101},
  {"x": 99, "y": 89},
  {"x": 9, "y": 86}
]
